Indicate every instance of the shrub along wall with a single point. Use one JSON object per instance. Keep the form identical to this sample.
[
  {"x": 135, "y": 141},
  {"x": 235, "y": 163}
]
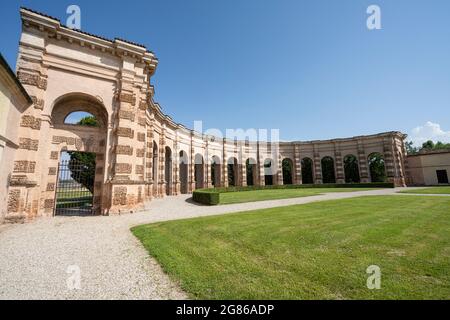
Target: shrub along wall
[{"x": 212, "y": 196}]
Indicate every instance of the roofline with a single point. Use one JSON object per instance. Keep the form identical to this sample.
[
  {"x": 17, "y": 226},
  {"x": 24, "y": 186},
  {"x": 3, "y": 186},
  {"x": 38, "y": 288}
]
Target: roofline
[
  {"x": 52, "y": 23},
  {"x": 429, "y": 152},
  {"x": 14, "y": 78}
]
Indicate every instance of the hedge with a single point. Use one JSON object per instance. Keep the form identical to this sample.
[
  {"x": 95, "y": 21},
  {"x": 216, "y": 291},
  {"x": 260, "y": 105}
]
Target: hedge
[{"x": 212, "y": 196}]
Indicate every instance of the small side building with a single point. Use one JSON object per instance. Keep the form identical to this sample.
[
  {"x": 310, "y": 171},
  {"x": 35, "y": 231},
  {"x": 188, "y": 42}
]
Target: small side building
[
  {"x": 429, "y": 168},
  {"x": 13, "y": 101}
]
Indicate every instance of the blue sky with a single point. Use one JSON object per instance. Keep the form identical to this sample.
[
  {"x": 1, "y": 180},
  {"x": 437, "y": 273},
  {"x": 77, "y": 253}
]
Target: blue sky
[{"x": 310, "y": 68}]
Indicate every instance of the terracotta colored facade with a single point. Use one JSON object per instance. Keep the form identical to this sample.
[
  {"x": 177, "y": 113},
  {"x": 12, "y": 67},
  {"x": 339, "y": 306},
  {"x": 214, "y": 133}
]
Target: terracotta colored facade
[
  {"x": 141, "y": 153},
  {"x": 423, "y": 169}
]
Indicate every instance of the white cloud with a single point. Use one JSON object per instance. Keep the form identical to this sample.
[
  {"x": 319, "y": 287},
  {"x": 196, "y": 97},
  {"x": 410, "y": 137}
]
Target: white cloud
[{"x": 429, "y": 131}]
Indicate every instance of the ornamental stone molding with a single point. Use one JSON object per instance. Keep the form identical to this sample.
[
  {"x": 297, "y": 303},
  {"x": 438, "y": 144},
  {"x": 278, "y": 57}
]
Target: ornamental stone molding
[
  {"x": 32, "y": 80},
  {"x": 30, "y": 122},
  {"x": 28, "y": 144},
  {"x": 123, "y": 168},
  {"x": 125, "y": 132},
  {"x": 38, "y": 103},
  {"x": 24, "y": 166}
]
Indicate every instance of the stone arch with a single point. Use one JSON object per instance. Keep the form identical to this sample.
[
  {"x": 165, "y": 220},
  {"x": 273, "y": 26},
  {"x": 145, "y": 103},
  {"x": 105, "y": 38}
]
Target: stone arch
[
  {"x": 377, "y": 168},
  {"x": 251, "y": 171},
  {"x": 78, "y": 102},
  {"x": 216, "y": 168},
  {"x": 80, "y": 141},
  {"x": 328, "y": 173},
  {"x": 307, "y": 171},
  {"x": 183, "y": 171},
  {"x": 269, "y": 172},
  {"x": 287, "y": 169},
  {"x": 199, "y": 171},
  {"x": 233, "y": 178},
  {"x": 351, "y": 169},
  {"x": 168, "y": 174}
]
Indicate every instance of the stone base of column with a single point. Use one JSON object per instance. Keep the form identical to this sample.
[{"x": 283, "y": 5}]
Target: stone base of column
[
  {"x": 125, "y": 198},
  {"x": 162, "y": 189},
  {"x": 340, "y": 181},
  {"x": 191, "y": 187},
  {"x": 397, "y": 181},
  {"x": 176, "y": 188}
]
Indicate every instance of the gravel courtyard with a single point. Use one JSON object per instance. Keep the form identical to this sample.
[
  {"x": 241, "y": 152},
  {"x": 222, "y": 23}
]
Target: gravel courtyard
[{"x": 35, "y": 257}]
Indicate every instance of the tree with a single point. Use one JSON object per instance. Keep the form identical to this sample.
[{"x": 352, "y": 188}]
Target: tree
[
  {"x": 82, "y": 168},
  {"x": 440, "y": 145},
  {"x": 351, "y": 169},
  {"x": 410, "y": 149},
  {"x": 287, "y": 171},
  {"x": 377, "y": 168},
  {"x": 82, "y": 164},
  {"x": 88, "y": 121},
  {"x": 429, "y": 145}
]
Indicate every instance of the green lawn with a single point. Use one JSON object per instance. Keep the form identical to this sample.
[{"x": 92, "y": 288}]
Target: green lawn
[
  {"x": 274, "y": 194},
  {"x": 314, "y": 251},
  {"x": 432, "y": 190}
]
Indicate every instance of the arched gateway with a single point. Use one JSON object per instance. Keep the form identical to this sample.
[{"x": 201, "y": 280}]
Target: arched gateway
[{"x": 66, "y": 70}]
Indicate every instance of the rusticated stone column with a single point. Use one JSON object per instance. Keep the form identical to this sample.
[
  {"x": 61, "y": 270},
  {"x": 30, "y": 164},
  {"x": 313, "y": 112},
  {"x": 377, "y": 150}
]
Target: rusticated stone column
[
  {"x": 317, "y": 168},
  {"x": 149, "y": 161},
  {"x": 279, "y": 168},
  {"x": 176, "y": 169},
  {"x": 207, "y": 163},
  {"x": 225, "y": 165},
  {"x": 162, "y": 164},
  {"x": 297, "y": 177},
  {"x": 191, "y": 186},
  {"x": 242, "y": 165},
  {"x": 260, "y": 165},
  {"x": 340, "y": 175},
  {"x": 388, "y": 154},
  {"x": 363, "y": 164}
]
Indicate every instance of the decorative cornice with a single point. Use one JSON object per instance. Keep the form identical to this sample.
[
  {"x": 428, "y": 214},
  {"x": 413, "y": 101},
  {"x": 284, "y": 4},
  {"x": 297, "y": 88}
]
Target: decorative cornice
[{"x": 53, "y": 26}]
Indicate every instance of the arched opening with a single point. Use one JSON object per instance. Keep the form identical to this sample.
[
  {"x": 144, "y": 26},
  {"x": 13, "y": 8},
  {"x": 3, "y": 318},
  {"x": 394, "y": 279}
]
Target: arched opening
[
  {"x": 80, "y": 124},
  {"x": 269, "y": 172},
  {"x": 215, "y": 171},
  {"x": 287, "y": 167},
  {"x": 79, "y": 109},
  {"x": 328, "y": 174},
  {"x": 376, "y": 167},
  {"x": 232, "y": 172},
  {"x": 351, "y": 169},
  {"x": 183, "y": 172},
  {"x": 168, "y": 171},
  {"x": 155, "y": 165},
  {"x": 250, "y": 168},
  {"x": 199, "y": 171},
  {"x": 81, "y": 118},
  {"x": 307, "y": 171}
]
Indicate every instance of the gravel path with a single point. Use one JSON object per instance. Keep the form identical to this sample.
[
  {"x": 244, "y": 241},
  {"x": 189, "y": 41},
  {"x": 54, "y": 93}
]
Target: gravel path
[{"x": 35, "y": 257}]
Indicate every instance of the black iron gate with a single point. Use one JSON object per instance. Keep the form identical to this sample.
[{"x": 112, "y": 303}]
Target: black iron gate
[{"x": 74, "y": 189}]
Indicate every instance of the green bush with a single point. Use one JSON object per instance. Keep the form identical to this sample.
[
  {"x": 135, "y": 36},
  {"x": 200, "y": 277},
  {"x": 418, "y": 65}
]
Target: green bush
[
  {"x": 206, "y": 196},
  {"x": 212, "y": 196}
]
